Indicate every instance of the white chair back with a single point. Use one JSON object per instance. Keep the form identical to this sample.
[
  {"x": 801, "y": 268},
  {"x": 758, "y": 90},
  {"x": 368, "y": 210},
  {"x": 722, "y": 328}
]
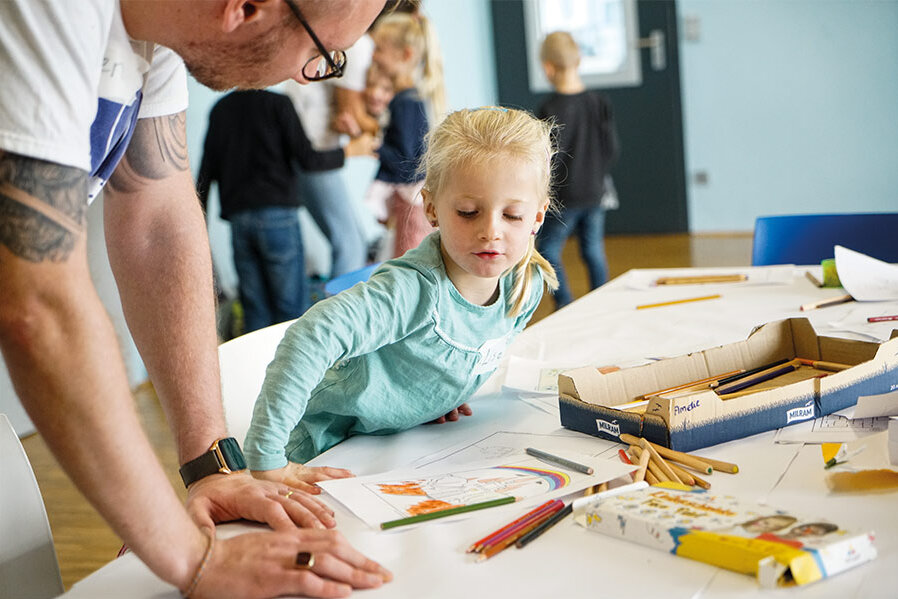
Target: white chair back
[
  {"x": 243, "y": 361},
  {"x": 28, "y": 564}
]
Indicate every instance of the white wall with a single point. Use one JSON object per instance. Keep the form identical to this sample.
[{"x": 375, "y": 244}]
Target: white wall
[{"x": 789, "y": 107}]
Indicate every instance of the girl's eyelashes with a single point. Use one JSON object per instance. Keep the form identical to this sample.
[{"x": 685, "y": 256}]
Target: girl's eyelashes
[
  {"x": 466, "y": 213},
  {"x": 514, "y": 217}
]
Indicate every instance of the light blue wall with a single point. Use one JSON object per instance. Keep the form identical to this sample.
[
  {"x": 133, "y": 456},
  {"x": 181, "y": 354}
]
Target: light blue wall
[
  {"x": 465, "y": 33},
  {"x": 789, "y": 106}
]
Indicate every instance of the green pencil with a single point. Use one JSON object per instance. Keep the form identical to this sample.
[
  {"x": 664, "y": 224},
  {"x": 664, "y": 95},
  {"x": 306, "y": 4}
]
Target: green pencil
[{"x": 447, "y": 512}]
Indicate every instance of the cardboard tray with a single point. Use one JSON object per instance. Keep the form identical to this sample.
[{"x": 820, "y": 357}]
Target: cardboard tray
[{"x": 587, "y": 398}]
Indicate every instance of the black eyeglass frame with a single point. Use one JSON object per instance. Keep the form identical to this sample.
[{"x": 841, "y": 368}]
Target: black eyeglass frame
[{"x": 335, "y": 66}]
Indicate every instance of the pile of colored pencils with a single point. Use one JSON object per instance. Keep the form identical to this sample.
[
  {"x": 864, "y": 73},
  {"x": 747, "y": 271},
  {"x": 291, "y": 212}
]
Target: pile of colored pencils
[
  {"x": 516, "y": 531},
  {"x": 659, "y": 464}
]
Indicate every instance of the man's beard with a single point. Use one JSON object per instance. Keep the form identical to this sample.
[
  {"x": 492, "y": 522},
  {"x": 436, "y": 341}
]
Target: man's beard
[{"x": 222, "y": 65}]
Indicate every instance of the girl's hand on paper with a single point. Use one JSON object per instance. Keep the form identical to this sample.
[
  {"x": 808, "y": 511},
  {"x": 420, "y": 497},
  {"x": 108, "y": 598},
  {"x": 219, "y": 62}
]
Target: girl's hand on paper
[
  {"x": 462, "y": 410},
  {"x": 264, "y": 564},
  {"x": 227, "y": 497},
  {"x": 302, "y": 477}
]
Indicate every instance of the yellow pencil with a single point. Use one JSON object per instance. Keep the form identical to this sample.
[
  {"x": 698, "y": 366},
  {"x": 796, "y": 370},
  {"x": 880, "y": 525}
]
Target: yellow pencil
[
  {"x": 679, "y": 301},
  {"x": 701, "y": 279}
]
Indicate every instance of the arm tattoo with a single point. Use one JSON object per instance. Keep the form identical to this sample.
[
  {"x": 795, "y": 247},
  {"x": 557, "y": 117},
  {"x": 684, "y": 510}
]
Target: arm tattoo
[
  {"x": 43, "y": 207},
  {"x": 158, "y": 149}
]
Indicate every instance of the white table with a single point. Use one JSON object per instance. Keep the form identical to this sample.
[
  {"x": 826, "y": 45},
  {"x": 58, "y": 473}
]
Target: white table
[{"x": 568, "y": 561}]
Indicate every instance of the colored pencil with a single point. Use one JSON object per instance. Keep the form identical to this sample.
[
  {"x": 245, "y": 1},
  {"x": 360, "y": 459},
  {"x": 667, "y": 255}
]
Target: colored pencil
[
  {"x": 491, "y": 550},
  {"x": 656, "y": 457},
  {"x": 749, "y": 372},
  {"x": 643, "y": 466},
  {"x": 882, "y": 318},
  {"x": 823, "y": 365},
  {"x": 559, "y": 461},
  {"x": 758, "y": 378},
  {"x": 526, "y": 524},
  {"x": 476, "y": 546},
  {"x": 686, "y": 459},
  {"x": 827, "y": 302},
  {"x": 706, "y": 381},
  {"x": 448, "y": 512},
  {"x": 679, "y": 301},
  {"x": 700, "y": 279},
  {"x": 544, "y": 526}
]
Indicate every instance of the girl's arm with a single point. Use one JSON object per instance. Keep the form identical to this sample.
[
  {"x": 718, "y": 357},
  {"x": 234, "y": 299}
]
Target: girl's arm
[{"x": 387, "y": 308}]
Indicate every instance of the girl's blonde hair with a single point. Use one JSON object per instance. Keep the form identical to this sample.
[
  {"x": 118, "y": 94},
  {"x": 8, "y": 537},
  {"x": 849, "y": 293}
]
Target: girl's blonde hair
[
  {"x": 471, "y": 137},
  {"x": 415, "y": 31}
]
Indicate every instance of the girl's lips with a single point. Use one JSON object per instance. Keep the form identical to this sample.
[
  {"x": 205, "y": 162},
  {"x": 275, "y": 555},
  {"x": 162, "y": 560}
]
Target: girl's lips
[{"x": 487, "y": 254}]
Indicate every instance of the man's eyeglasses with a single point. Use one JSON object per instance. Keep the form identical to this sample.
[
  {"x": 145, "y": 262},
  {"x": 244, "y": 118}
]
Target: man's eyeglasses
[{"x": 327, "y": 64}]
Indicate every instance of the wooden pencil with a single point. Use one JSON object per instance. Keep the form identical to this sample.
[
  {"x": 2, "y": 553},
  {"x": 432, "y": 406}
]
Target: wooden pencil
[
  {"x": 700, "y": 279},
  {"x": 841, "y": 299},
  {"x": 686, "y": 459},
  {"x": 760, "y": 377},
  {"x": 655, "y": 456},
  {"x": 448, "y": 512},
  {"x": 651, "y": 478},
  {"x": 643, "y": 466},
  {"x": 655, "y": 468},
  {"x": 478, "y": 544},
  {"x": 824, "y": 365},
  {"x": 679, "y": 301},
  {"x": 652, "y": 466},
  {"x": 720, "y": 465}
]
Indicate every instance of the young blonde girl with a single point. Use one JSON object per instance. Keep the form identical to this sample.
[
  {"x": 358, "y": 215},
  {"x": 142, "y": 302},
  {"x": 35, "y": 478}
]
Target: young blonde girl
[
  {"x": 412, "y": 343},
  {"x": 405, "y": 48}
]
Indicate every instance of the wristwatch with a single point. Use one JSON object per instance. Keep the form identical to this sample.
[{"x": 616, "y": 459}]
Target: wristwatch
[{"x": 224, "y": 457}]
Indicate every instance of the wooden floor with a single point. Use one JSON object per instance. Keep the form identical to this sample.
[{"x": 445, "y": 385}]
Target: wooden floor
[{"x": 84, "y": 542}]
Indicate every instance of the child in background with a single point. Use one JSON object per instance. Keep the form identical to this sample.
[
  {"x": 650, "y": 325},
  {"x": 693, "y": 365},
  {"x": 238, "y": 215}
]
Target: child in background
[
  {"x": 405, "y": 49},
  {"x": 378, "y": 94},
  {"x": 412, "y": 343},
  {"x": 587, "y": 148}
]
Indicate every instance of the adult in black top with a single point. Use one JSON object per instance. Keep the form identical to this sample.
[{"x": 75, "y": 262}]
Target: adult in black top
[{"x": 253, "y": 145}]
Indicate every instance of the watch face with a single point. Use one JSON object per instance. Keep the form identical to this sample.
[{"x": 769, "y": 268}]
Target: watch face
[{"x": 230, "y": 449}]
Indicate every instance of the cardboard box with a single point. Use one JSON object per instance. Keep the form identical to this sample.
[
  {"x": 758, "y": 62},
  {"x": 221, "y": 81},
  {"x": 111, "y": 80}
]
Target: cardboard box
[{"x": 590, "y": 401}]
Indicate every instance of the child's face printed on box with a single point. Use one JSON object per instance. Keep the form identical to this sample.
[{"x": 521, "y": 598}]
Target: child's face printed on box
[
  {"x": 378, "y": 91},
  {"x": 768, "y": 524}
]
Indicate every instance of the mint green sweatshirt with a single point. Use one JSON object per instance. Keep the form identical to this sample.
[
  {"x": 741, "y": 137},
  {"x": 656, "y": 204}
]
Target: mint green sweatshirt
[{"x": 388, "y": 354}]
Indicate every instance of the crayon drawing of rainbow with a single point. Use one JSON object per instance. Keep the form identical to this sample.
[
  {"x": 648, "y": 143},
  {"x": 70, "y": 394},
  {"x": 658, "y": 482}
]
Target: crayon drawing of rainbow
[{"x": 554, "y": 478}]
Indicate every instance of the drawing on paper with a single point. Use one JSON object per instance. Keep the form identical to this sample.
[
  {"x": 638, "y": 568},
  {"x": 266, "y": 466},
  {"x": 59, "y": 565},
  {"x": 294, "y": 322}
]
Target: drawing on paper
[{"x": 411, "y": 497}]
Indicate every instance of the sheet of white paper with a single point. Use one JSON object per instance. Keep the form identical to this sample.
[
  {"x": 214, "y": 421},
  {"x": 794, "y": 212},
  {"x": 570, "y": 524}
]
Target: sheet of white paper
[
  {"x": 546, "y": 403},
  {"x": 534, "y": 376},
  {"x": 855, "y": 321},
  {"x": 833, "y": 428},
  {"x": 866, "y": 278},
  {"x": 402, "y": 493},
  {"x": 873, "y": 406},
  {"x": 507, "y": 443}
]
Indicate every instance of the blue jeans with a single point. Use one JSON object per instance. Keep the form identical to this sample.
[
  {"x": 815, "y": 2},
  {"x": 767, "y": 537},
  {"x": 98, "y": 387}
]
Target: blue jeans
[
  {"x": 325, "y": 196},
  {"x": 589, "y": 224},
  {"x": 271, "y": 272}
]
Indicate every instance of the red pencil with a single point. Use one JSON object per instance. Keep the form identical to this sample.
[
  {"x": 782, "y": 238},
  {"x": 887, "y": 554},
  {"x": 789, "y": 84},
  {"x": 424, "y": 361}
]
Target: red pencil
[
  {"x": 476, "y": 546},
  {"x": 882, "y": 318},
  {"x": 523, "y": 525},
  {"x": 624, "y": 457}
]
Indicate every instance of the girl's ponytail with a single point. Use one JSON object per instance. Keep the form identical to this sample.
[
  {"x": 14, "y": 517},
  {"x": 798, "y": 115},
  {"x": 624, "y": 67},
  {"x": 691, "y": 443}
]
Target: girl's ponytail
[
  {"x": 522, "y": 288},
  {"x": 432, "y": 85}
]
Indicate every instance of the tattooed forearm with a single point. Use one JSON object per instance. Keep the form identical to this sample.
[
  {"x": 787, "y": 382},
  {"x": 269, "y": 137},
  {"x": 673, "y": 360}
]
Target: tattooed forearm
[
  {"x": 158, "y": 149},
  {"x": 43, "y": 207}
]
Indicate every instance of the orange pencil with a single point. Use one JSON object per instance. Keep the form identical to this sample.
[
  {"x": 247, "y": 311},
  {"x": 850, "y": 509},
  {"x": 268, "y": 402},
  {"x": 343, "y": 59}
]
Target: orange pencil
[
  {"x": 508, "y": 541},
  {"x": 479, "y": 544},
  {"x": 679, "y": 301}
]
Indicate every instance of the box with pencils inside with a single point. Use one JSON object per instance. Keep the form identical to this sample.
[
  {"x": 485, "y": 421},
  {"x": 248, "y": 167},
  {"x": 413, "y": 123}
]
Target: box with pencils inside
[{"x": 783, "y": 373}]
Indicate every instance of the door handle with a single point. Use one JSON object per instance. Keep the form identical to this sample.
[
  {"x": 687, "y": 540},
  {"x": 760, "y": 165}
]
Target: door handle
[{"x": 655, "y": 43}]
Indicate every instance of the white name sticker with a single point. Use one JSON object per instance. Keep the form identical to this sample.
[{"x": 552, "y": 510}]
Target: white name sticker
[
  {"x": 609, "y": 428},
  {"x": 491, "y": 353}
]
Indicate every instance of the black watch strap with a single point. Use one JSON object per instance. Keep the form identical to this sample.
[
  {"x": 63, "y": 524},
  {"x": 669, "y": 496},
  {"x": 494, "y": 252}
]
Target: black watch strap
[{"x": 224, "y": 457}]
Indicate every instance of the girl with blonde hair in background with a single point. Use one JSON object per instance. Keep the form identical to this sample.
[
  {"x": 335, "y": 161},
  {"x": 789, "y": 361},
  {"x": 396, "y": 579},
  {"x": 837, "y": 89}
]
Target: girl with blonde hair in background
[
  {"x": 406, "y": 50},
  {"x": 416, "y": 340}
]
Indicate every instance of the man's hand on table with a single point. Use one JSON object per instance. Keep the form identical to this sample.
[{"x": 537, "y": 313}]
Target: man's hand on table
[
  {"x": 462, "y": 410},
  {"x": 301, "y": 562},
  {"x": 302, "y": 477},
  {"x": 227, "y": 497}
]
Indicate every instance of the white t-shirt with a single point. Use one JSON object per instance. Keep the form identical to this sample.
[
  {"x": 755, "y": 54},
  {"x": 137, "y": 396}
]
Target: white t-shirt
[
  {"x": 74, "y": 83},
  {"x": 315, "y": 102}
]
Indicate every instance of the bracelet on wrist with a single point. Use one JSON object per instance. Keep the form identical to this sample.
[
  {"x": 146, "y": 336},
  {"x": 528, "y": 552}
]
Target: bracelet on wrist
[{"x": 198, "y": 575}]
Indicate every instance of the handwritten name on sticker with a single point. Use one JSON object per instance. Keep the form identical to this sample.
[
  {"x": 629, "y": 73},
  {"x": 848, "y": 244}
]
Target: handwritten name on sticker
[
  {"x": 610, "y": 428},
  {"x": 799, "y": 414},
  {"x": 692, "y": 405}
]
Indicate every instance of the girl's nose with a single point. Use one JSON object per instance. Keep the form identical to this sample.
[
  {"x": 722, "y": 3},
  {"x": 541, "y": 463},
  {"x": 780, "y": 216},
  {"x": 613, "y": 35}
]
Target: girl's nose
[{"x": 489, "y": 229}]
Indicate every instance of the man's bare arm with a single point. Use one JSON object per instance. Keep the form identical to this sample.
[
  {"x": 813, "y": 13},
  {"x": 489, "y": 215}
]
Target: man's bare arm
[
  {"x": 159, "y": 252},
  {"x": 62, "y": 355}
]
